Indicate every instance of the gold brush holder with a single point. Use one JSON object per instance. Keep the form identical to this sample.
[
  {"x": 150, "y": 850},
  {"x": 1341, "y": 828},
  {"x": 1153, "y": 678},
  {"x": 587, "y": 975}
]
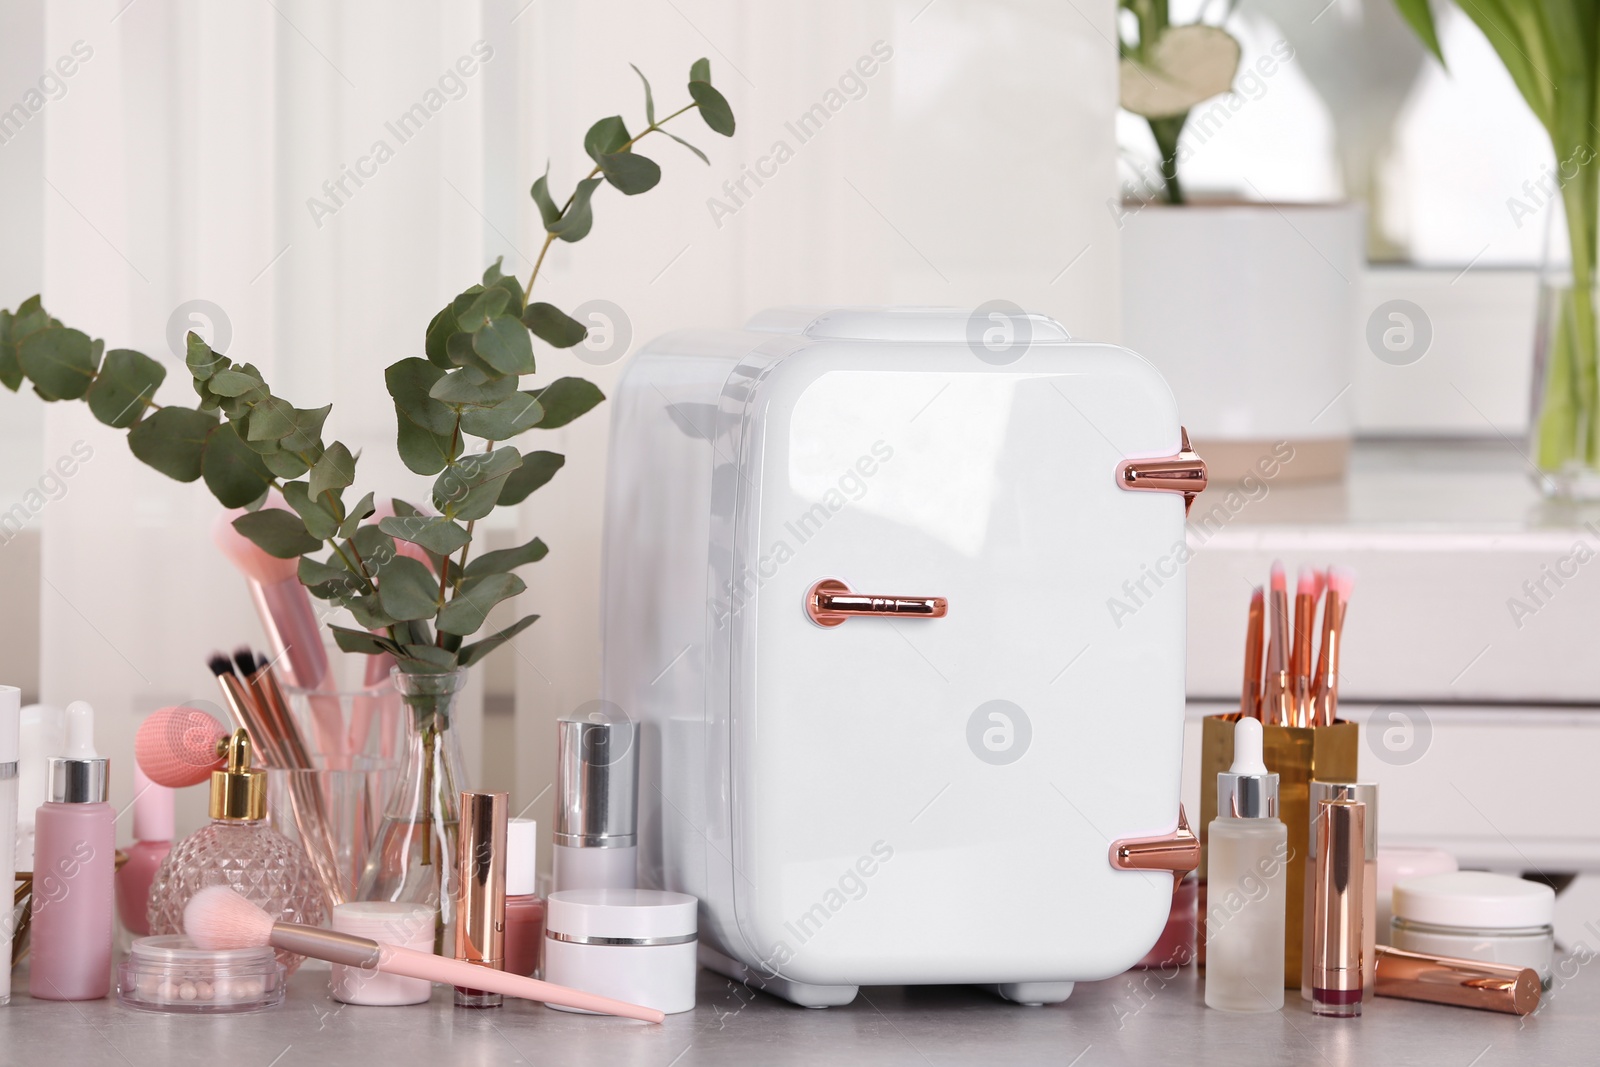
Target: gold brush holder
[{"x": 1296, "y": 755}]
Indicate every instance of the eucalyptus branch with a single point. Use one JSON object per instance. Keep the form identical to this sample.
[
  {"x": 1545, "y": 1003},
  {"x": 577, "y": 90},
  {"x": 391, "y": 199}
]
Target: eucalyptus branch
[{"x": 246, "y": 443}]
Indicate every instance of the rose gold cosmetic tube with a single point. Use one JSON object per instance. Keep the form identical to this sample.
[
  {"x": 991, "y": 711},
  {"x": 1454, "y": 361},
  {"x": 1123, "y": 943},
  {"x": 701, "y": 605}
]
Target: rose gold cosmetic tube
[
  {"x": 1367, "y": 794},
  {"x": 1337, "y": 909},
  {"x": 1459, "y": 983},
  {"x": 481, "y": 899}
]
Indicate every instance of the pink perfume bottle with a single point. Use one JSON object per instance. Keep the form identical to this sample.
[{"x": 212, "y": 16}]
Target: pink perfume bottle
[
  {"x": 74, "y": 859},
  {"x": 152, "y": 840},
  {"x": 239, "y": 848}
]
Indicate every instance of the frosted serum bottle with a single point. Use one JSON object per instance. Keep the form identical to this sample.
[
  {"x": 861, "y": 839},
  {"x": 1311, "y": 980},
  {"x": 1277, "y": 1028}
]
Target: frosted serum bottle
[{"x": 1245, "y": 883}]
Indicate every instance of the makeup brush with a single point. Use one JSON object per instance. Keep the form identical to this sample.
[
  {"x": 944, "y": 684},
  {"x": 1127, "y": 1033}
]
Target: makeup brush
[
  {"x": 1305, "y": 616},
  {"x": 179, "y": 747},
  {"x": 218, "y": 917},
  {"x": 1278, "y": 708},
  {"x": 1250, "y": 695},
  {"x": 289, "y": 620},
  {"x": 241, "y": 705},
  {"x": 1325, "y": 682},
  {"x": 274, "y": 709}
]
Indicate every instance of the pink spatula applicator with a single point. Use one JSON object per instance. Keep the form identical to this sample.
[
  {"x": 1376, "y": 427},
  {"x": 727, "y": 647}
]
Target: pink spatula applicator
[{"x": 220, "y": 918}]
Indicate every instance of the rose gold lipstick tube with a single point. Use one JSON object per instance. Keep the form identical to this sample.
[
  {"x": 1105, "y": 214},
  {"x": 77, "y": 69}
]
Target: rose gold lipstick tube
[
  {"x": 1337, "y": 909},
  {"x": 1460, "y": 983},
  {"x": 481, "y": 899}
]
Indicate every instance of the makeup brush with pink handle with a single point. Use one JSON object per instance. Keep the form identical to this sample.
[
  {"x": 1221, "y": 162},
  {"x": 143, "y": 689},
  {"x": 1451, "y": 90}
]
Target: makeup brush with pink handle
[
  {"x": 290, "y": 622},
  {"x": 219, "y": 917}
]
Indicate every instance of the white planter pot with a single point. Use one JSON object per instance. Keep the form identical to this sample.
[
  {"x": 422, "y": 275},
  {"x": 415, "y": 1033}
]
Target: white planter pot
[{"x": 1248, "y": 310}]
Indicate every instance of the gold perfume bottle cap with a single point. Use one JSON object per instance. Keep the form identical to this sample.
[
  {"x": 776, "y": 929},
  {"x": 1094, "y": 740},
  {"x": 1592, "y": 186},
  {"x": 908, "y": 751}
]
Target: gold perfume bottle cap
[{"x": 237, "y": 791}]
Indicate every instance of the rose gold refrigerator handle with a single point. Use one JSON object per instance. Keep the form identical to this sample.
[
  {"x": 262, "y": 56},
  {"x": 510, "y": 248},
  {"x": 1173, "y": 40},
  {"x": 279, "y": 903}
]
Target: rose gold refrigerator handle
[{"x": 830, "y": 602}]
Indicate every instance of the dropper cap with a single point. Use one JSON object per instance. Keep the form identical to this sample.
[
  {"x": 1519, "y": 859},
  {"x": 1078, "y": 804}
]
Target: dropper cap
[
  {"x": 1246, "y": 790},
  {"x": 80, "y": 731},
  {"x": 237, "y": 791}
]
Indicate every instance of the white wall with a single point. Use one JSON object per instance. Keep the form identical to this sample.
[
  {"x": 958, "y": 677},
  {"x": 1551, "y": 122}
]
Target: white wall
[{"x": 976, "y": 165}]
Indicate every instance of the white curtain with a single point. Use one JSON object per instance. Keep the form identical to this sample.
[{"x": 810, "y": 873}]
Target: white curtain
[{"x": 187, "y": 161}]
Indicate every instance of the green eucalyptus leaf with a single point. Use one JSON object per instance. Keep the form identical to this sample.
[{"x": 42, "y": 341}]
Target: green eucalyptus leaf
[
  {"x": 407, "y": 589},
  {"x": 233, "y": 471},
  {"x": 505, "y": 420},
  {"x": 537, "y": 469},
  {"x": 320, "y": 520},
  {"x": 503, "y": 344},
  {"x": 285, "y": 464},
  {"x": 307, "y": 433},
  {"x": 689, "y": 146},
  {"x": 363, "y": 643},
  {"x": 439, "y": 331},
  {"x": 575, "y": 223},
  {"x": 437, "y": 535},
  {"x": 649, "y": 97},
  {"x": 60, "y": 362},
  {"x": 548, "y": 212},
  {"x": 404, "y": 508},
  {"x": 604, "y": 137},
  {"x": 513, "y": 289},
  {"x": 700, "y": 70},
  {"x": 427, "y": 659},
  {"x": 234, "y": 383},
  {"x": 483, "y": 310},
  {"x": 421, "y": 451},
  {"x": 335, "y": 470},
  {"x": 173, "y": 441},
  {"x": 275, "y": 531},
  {"x": 471, "y": 654},
  {"x": 506, "y": 559},
  {"x": 470, "y": 387},
  {"x": 270, "y": 420},
  {"x": 459, "y": 350},
  {"x": 713, "y": 107},
  {"x": 409, "y": 381},
  {"x": 201, "y": 360},
  {"x": 565, "y": 399},
  {"x": 467, "y": 611},
  {"x": 127, "y": 381},
  {"x": 357, "y": 515},
  {"x": 471, "y": 488},
  {"x": 492, "y": 273},
  {"x": 630, "y": 172},
  {"x": 553, "y": 326},
  {"x": 374, "y": 547},
  {"x": 327, "y": 582},
  {"x": 367, "y": 611}
]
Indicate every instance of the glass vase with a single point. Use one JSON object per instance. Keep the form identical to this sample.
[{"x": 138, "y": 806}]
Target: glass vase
[
  {"x": 413, "y": 858},
  {"x": 1565, "y": 420}
]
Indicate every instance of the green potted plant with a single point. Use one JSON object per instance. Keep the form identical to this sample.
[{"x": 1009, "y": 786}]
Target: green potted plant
[
  {"x": 1551, "y": 49},
  {"x": 457, "y": 407},
  {"x": 1246, "y": 307}
]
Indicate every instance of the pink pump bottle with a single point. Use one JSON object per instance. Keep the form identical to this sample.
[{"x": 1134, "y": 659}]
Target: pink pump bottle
[
  {"x": 152, "y": 840},
  {"x": 74, "y": 861}
]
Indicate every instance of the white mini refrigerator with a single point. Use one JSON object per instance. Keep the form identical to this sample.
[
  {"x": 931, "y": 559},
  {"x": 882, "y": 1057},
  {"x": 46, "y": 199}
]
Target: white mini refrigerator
[{"x": 897, "y": 597}]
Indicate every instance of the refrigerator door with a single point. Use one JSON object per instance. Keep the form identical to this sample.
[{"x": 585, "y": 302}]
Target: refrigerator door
[{"x": 927, "y": 798}]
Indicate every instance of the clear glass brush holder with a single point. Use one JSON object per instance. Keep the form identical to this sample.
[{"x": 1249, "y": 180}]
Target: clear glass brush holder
[{"x": 334, "y": 815}]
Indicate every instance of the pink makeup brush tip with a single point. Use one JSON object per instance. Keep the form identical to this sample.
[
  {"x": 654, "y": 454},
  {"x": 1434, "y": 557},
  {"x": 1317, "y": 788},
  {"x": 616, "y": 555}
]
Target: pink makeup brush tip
[
  {"x": 177, "y": 747},
  {"x": 1306, "y": 585},
  {"x": 1341, "y": 580},
  {"x": 218, "y": 917},
  {"x": 1256, "y": 596},
  {"x": 1321, "y": 577},
  {"x": 1280, "y": 581},
  {"x": 245, "y": 555}
]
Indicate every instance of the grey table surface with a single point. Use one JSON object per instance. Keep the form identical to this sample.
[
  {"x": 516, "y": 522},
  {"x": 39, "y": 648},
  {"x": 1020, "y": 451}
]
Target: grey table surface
[{"x": 1142, "y": 1017}]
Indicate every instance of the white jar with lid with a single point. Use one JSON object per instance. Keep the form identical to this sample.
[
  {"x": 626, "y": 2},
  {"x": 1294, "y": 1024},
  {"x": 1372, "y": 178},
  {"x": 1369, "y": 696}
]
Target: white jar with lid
[
  {"x": 1476, "y": 915},
  {"x": 406, "y": 925},
  {"x": 637, "y": 945}
]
